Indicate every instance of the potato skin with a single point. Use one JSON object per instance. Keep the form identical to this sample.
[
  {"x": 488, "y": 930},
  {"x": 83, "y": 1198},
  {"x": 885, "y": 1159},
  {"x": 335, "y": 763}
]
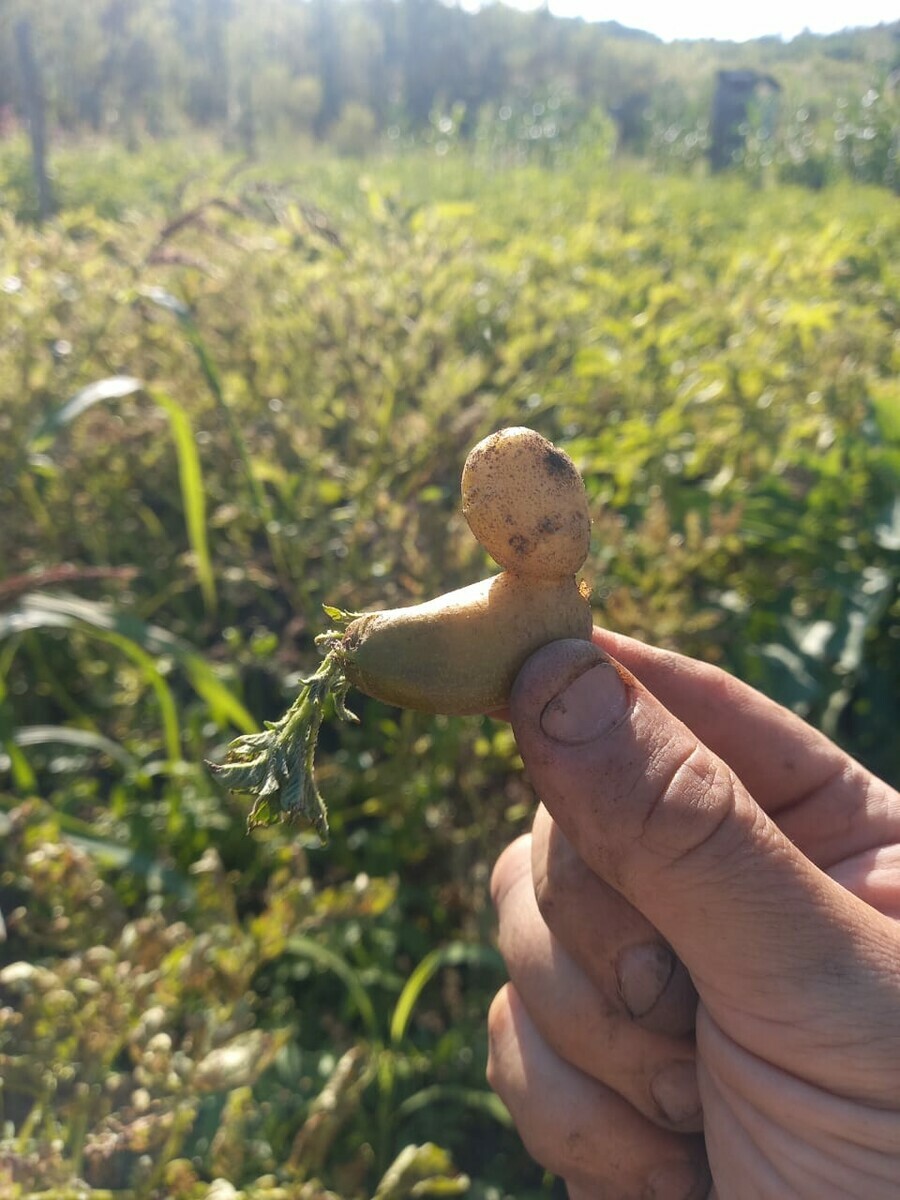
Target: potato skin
[
  {"x": 460, "y": 654},
  {"x": 525, "y": 502}
]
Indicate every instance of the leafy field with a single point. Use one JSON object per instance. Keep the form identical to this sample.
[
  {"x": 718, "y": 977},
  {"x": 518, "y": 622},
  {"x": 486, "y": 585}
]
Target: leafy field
[{"x": 228, "y": 397}]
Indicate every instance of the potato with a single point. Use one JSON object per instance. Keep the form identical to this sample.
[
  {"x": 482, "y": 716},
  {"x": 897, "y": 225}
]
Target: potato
[
  {"x": 460, "y": 654},
  {"x": 525, "y": 502}
]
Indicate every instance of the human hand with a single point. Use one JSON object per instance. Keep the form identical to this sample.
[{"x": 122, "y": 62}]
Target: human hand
[{"x": 703, "y": 939}]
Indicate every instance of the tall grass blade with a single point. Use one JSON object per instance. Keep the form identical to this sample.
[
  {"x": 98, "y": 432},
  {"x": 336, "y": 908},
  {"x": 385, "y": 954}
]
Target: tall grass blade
[
  {"x": 142, "y": 643},
  {"x": 258, "y": 499},
  {"x": 116, "y": 387},
  {"x": 24, "y": 778},
  {"x": 193, "y": 494},
  {"x": 474, "y": 1099},
  {"x": 305, "y": 947},
  {"x": 453, "y": 955},
  {"x": 31, "y": 617},
  {"x": 210, "y": 371},
  {"x": 84, "y": 739}
]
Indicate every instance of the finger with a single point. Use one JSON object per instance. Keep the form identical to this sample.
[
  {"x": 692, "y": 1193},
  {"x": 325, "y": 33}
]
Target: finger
[
  {"x": 823, "y": 800},
  {"x": 874, "y": 876},
  {"x": 587, "y": 1028},
  {"x": 579, "y": 1129},
  {"x": 617, "y": 947},
  {"x": 654, "y": 813},
  {"x": 732, "y": 719}
]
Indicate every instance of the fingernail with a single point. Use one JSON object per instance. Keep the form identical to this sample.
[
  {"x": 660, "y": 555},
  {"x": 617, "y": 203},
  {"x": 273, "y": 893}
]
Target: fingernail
[
  {"x": 589, "y": 707},
  {"x": 675, "y": 1091},
  {"x": 643, "y": 973},
  {"x": 675, "y": 1181}
]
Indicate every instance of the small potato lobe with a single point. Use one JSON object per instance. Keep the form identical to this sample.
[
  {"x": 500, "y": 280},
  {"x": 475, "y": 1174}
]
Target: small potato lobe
[{"x": 525, "y": 502}]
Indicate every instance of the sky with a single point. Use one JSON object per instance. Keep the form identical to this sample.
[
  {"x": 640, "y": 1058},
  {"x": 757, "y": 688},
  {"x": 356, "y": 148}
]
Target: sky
[{"x": 670, "y": 19}]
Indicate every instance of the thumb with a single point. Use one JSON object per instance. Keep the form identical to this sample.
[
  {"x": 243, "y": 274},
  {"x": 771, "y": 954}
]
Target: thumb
[{"x": 658, "y": 816}]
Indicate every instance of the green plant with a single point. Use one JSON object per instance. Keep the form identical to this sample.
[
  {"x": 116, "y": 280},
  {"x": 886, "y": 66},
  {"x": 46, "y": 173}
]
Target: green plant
[{"x": 721, "y": 364}]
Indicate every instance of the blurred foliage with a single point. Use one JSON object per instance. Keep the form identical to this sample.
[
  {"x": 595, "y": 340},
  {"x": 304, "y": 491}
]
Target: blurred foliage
[
  {"x": 354, "y": 73},
  {"x": 230, "y": 396}
]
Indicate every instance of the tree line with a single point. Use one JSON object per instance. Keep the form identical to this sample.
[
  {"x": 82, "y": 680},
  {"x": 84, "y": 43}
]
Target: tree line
[{"x": 353, "y": 70}]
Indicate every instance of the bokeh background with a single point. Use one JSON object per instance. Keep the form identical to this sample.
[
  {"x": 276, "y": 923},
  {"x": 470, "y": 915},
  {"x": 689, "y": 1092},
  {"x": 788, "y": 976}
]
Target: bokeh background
[{"x": 268, "y": 270}]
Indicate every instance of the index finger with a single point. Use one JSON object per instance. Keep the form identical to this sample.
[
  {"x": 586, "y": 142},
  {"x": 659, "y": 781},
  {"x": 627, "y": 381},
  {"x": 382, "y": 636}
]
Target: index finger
[{"x": 777, "y": 756}]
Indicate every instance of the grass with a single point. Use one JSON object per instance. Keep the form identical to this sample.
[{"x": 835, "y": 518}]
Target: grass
[{"x": 230, "y": 397}]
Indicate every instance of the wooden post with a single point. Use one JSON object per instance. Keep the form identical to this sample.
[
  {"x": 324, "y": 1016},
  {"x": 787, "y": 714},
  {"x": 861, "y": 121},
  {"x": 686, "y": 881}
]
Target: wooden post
[
  {"x": 36, "y": 113},
  {"x": 735, "y": 90}
]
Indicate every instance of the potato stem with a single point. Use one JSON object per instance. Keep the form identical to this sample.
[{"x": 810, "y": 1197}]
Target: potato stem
[{"x": 276, "y": 766}]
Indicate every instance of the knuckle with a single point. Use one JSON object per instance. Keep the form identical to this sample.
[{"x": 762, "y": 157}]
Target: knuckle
[
  {"x": 692, "y": 806},
  {"x": 500, "y": 1028},
  {"x": 508, "y": 868},
  {"x": 557, "y": 1150},
  {"x": 559, "y": 875},
  {"x": 499, "y": 1018}
]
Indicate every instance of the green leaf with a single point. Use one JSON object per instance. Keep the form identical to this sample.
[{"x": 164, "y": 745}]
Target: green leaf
[
  {"x": 453, "y": 955},
  {"x": 305, "y": 947},
  {"x": 425, "y": 1170},
  {"x": 116, "y": 387},
  {"x": 85, "y": 739},
  {"x": 142, "y": 643},
  {"x": 193, "y": 494}
]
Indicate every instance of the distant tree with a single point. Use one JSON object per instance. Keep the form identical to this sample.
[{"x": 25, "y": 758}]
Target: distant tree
[
  {"x": 35, "y": 108},
  {"x": 257, "y": 69},
  {"x": 325, "y": 46},
  {"x": 421, "y": 52}
]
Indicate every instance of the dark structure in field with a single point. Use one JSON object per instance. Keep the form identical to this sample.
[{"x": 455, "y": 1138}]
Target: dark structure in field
[{"x": 735, "y": 92}]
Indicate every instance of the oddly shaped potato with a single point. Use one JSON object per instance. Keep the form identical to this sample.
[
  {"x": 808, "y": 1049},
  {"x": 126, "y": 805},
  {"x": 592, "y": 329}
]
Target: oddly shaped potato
[
  {"x": 460, "y": 653},
  {"x": 525, "y": 502}
]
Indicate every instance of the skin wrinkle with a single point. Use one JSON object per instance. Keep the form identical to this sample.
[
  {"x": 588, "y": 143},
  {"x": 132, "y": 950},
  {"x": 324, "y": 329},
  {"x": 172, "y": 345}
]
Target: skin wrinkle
[
  {"x": 851, "y": 802},
  {"x": 853, "y": 1071},
  {"x": 782, "y": 1094},
  {"x": 744, "y": 824},
  {"x": 838, "y": 1051},
  {"x": 837, "y": 775},
  {"x": 796, "y": 887},
  {"x": 738, "y": 1143},
  {"x": 707, "y": 781},
  {"x": 705, "y": 717},
  {"x": 874, "y": 875},
  {"x": 809, "y": 1162}
]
